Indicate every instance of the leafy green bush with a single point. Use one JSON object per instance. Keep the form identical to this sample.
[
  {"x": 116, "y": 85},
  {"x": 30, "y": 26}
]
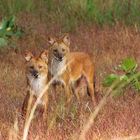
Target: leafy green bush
[
  {"x": 8, "y": 29},
  {"x": 129, "y": 67}
]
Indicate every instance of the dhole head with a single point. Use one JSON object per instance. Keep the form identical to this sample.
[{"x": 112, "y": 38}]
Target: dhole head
[
  {"x": 59, "y": 48},
  {"x": 37, "y": 66}
]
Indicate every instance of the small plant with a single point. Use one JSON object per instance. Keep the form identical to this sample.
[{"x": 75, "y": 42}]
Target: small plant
[
  {"x": 129, "y": 67},
  {"x": 8, "y": 29}
]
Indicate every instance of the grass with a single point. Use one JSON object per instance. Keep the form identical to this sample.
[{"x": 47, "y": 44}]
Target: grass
[
  {"x": 71, "y": 14},
  {"x": 108, "y": 46},
  {"x": 120, "y": 117},
  {"x": 13, "y": 7}
]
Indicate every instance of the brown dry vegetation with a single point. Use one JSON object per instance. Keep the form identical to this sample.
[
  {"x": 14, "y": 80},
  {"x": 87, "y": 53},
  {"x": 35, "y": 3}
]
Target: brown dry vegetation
[{"x": 120, "y": 116}]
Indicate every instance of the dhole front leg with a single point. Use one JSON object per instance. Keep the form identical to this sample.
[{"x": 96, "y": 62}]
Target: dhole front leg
[
  {"x": 45, "y": 105},
  {"x": 27, "y": 105},
  {"x": 68, "y": 94}
]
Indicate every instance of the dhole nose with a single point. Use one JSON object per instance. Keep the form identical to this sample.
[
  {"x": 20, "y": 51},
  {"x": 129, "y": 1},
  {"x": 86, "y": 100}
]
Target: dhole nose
[
  {"x": 35, "y": 73},
  {"x": 60, "y": 56}
]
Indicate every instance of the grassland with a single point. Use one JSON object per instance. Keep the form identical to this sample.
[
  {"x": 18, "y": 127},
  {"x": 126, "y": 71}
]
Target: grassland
[
  {"x": 120, "y": 117},
  {"x": 98, "y": 28}
]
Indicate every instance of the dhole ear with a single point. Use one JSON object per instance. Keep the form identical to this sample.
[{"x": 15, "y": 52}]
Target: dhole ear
[
  {"x": 44, "y": 56},
  {"x": 66, "y": 39},
  {"x": 51, "y": 40},
  {"x": 28, "y": 56}
]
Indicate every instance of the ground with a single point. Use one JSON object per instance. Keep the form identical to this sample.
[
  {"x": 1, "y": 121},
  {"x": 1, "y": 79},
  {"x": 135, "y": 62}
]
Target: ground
[{"x": 120, "y": 117}]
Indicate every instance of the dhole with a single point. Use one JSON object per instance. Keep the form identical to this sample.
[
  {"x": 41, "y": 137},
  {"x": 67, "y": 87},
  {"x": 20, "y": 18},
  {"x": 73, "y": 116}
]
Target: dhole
[
  {"x": 78, "y": 64},
  {"x": 36, "y": 73}
]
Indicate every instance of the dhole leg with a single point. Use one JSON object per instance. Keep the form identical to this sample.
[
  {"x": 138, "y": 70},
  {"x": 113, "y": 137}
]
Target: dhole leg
[
  {"x": 68, "y": 94},
  {"x": 24, "y": 107},
  {"x": 91, "y": 92},
  {"x": 53, "y": 91},
  {"x": 77, "y": 94},
  {"x": 80, "y": 88},
  {"x": 45, "y": 106},
  {"x": 75, "y": 90},
  {"x": 27, "y": 105}
]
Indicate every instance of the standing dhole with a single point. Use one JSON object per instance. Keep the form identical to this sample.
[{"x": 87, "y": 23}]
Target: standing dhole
[
  {"x": 36, "y": 73},
  {"x": 73, "y": 64}
]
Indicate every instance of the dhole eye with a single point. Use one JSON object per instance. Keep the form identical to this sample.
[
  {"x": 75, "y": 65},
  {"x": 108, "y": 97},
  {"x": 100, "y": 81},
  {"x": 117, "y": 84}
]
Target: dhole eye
[
  {"x": 55, "y": 50},
  {"x": 63, "y": 49},
  {"x": 40, "y": 67},
  {"x": 31, "y": 67}
]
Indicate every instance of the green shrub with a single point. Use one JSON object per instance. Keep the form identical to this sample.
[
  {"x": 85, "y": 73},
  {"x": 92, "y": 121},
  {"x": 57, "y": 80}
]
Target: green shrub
[
  {"x": 129, "y": 67},
  {"x": 8, "y": 29}
]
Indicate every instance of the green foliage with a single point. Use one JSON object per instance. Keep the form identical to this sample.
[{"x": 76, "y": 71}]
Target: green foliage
[
  {"x": 8, "y": 29},
  {"x": 3, "y": 42},
  {"x": 129, "y": 67},
  {"x": 110, "y": 79},
  {"x": 136, "y": 84}
]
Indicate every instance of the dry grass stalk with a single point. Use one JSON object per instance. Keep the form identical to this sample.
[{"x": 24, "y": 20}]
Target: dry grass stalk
[
  {"x": 13, "y": 133},
  {"x": 128, "y": 138}
]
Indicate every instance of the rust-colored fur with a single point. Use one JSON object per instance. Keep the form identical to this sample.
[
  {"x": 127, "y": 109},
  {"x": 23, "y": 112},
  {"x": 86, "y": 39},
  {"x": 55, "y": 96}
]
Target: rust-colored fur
[
  {"x": 77, "y": 64},
  {"x": 36, "y": 72}
]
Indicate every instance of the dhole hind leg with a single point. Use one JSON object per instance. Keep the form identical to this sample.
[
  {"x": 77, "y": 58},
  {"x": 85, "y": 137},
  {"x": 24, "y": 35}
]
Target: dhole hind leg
[
  {"x": 77, "y": 94},
  {"x": 81, "y": 88},
  {"x": 90, "y": 87},
  {"x": 91, "y": 92},
  {"x": 75, "y": 89}
]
